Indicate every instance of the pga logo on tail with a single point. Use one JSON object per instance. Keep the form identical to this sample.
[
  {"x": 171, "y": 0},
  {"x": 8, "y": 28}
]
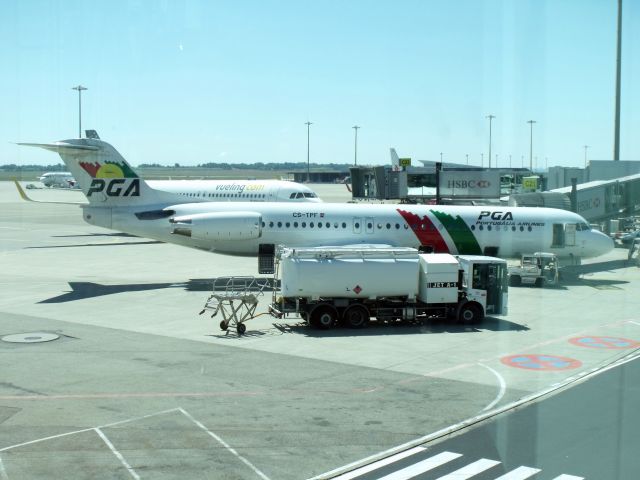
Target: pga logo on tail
[{"x": 115, "y": 187}]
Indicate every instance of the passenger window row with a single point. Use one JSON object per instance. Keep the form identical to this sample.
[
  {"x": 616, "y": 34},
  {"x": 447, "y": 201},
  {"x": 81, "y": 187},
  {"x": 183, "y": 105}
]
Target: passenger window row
[{"x": 226, "y": 195}]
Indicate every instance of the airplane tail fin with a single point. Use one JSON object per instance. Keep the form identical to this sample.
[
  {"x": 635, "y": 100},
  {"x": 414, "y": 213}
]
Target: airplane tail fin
[
  {"x": 103, "y": 174},
  {"x": 395, "y": 161}
]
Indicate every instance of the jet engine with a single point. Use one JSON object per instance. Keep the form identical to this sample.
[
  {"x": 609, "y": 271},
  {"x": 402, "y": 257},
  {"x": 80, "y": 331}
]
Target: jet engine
[{"x": 219, "y": 225}]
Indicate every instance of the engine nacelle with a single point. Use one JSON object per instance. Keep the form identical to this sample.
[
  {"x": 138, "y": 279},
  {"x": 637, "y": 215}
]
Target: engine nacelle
[{"x": 219, "y": 226}]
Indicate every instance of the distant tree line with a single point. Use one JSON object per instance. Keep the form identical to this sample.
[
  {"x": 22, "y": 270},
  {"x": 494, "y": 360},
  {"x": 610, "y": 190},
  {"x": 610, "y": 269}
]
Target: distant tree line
[
  {"x": 288, "y": 166},
  {"x": 12, "y": 167},
  {"x": 257, "y": 166}
]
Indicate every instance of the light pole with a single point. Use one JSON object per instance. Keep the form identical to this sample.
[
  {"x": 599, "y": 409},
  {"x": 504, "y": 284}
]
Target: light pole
[
  {"x": 467, "y": 159},
  {"x": 531, "y": 122},
  {"x": 490, "y": 117},
  {"x": 509, "y": 160},
  {"x": 355, "y": 145},
  {"x": 585, "y": 155},
  {"x": 79, "y": 88},
  {"x": 616, "y": 128},
  {"x": 440, "y": 157},
  {"x": 482, "y": 160},
  {"x": 308, "y": 124},
  {"x": 496, "y": 160}
]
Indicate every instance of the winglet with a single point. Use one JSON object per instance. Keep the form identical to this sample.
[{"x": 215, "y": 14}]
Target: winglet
[
  {"x": 22, "y": 193},
  {"x": 25, "y": 197}
]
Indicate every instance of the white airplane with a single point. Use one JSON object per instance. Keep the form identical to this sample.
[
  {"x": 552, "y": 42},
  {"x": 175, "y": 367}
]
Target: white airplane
[
  {"x": 58, "y": 179},
  {"x": 108, "y": 163},
  {"x": 129, "y": 204}
]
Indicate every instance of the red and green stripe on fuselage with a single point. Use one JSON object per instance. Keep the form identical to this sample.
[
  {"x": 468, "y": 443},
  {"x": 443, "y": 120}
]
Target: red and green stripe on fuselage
[{"x": 430, "y": 235}]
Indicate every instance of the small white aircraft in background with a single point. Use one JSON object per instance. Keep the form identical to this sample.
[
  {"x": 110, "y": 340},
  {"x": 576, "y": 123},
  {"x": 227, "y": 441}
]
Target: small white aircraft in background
[
  {"x": 119, "y": 200},
  {"x": 58, "y": 179},
  {"x": 99, "y": 167}
]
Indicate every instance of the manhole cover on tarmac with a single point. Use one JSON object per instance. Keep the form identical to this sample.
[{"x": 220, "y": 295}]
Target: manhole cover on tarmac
[{"x": 34, "y": 337}]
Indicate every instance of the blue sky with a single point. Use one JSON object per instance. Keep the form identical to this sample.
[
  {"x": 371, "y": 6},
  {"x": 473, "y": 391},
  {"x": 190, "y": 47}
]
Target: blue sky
[{"x": 235, "y": 81}]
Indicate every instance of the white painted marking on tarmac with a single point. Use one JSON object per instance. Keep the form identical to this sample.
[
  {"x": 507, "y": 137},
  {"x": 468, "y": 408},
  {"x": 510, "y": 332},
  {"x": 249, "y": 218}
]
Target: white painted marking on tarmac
[
  {"x": 43, "y": 439},
  {"x": 225, "y": 445},
  {"x": 520, "y": 473},
  {"x": 124, "y": 462},
  {"x": 635, "y": 323},
  {"x": 3, "y": 472},
  {"x": 423, "y": 466},
  {"x": 470, "y": 470},
  {"x": 52, "y": 437},
  {"x": 568, "y": 477},
  {"x": 501, "y": 391},
  {"x": 380, "y": 463}
]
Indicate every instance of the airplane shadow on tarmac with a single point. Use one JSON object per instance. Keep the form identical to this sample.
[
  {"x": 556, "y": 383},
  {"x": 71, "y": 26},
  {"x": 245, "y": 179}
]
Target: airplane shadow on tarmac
[{"x": 84, "y": 290}]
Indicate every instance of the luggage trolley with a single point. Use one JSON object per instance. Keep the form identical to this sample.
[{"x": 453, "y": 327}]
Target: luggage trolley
[{"x": 236, "y": 299}]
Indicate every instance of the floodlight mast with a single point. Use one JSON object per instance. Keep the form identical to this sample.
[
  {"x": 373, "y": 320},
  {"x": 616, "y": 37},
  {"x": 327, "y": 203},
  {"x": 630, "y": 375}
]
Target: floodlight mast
[{"x": 79, "y": 88}]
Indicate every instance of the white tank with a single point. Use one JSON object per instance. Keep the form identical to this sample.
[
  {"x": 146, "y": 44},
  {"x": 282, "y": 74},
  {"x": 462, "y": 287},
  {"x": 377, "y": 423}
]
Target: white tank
[
  {"x": 346, "y": 273},
  {"x": 438, "y": 278}
]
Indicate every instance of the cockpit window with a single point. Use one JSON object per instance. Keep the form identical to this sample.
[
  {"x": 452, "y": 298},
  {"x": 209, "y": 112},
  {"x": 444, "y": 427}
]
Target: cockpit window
[
  {"x": 582, "y": 226},
  {"x": 293, "y": 195},
  {"x": 309, "y": 195},
  {"x": 300, "y": 195}
]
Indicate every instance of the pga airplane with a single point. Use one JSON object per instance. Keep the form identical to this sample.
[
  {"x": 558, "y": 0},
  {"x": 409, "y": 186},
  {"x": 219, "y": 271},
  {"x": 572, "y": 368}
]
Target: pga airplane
[
  {"x": 103, "y": 165},
  {"x": 120, "y": 201}
]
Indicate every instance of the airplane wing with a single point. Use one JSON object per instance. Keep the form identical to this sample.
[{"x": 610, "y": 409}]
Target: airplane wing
[{"x": 25, "y": 197}]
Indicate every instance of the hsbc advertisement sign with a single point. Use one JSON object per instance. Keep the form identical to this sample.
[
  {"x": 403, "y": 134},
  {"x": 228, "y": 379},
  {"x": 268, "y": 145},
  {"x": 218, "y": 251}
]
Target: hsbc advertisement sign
[
  {"x": 470, "y": 184},
  {"x": 591, "y": 202}
]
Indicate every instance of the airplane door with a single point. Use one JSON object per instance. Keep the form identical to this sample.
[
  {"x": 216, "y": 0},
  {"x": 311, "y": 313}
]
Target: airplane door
[
  {"x": 570, "y": 234},
  {"x": 368, "y": 225},
  {"x": 558, "y": 235},
  {"x": 357, "y": 224}
]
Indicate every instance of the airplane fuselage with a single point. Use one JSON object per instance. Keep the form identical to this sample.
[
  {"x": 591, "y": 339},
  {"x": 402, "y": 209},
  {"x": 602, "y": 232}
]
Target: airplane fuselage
[{"x": 504, "y": 231}]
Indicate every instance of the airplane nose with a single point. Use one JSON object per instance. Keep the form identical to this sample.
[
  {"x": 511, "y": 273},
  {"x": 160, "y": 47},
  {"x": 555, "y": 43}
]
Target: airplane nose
[{"x": 601, "y": 243}]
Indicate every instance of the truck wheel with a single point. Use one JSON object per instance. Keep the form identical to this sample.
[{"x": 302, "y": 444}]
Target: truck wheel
[
  {"x": 470, "y": 314},
  {"x": 241, "y": 328},
  {"x": 223, "y": 325},
  {"x": 323, "y": 317},
  {"x": 515, "y": 281},
  {"x": 356, "y": 316}
]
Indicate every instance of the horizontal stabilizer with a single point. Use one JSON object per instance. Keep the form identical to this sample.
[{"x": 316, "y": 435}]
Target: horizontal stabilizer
[{"x": 62, "y": 147}]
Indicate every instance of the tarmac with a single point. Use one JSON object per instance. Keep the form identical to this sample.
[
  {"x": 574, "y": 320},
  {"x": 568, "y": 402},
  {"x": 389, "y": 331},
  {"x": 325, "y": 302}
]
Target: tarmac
[{"x": 138, "y": 385}]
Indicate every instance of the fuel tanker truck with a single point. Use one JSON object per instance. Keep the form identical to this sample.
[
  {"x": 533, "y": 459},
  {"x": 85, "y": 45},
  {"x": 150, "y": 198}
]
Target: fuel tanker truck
[{"x": 350, "y": 286}]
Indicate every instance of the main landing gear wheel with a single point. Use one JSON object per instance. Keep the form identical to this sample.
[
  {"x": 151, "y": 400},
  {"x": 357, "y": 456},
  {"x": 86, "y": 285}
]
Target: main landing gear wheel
[
  {"x": 323, "y": 317},
  {"x": 223, "y": 325},
  {"x": 356, "y": 316},
  {"x": 241, "y": 328}
]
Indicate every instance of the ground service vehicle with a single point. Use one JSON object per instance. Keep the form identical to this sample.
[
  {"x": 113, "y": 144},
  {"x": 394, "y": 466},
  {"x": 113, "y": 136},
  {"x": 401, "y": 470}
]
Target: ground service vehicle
[
  {"x": 327, "y": 286},
  {"x": 537, "y": 269}
]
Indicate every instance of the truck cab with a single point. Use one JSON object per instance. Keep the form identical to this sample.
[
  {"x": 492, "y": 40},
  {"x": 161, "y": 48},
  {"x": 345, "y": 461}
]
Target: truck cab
[{"x": 484, "y": 280}]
